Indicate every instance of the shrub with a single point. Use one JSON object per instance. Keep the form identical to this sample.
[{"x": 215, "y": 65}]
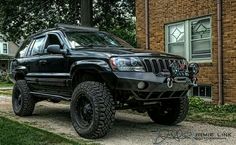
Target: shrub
[
  {"x": 197, "y": 104},
  {"x": 5, "y": 78},
  {"x": 127, "y": 35}
]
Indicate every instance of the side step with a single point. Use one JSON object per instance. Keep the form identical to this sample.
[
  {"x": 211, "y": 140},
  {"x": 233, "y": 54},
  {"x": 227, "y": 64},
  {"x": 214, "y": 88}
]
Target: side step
[{"x": 50, "y": 96}]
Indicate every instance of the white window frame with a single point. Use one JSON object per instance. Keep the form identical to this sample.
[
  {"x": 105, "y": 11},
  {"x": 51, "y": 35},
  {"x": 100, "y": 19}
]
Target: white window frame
[
  {"x": 206, "y": 98},
  {"x": 167, "y": 36},
  {"x": 3, "y": 49},
  {"x": 188, "y": 41}
]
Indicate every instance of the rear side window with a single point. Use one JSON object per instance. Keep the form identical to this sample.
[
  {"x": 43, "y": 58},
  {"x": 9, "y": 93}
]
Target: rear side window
[
  {"x": 24, "y": 49},
  {"x": 38, "y": 46}
]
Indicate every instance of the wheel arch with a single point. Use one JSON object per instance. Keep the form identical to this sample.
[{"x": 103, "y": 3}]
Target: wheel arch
[
  {"x": 20, "y": 73},
  {"x": 93, "y": 69}
]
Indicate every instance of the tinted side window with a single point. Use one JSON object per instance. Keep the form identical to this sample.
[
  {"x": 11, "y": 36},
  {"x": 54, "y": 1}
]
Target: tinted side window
[
  {"x": 52, "y": 40},
  {"x": 24, "y": 49},
  {"x": 38, "y": 45}
]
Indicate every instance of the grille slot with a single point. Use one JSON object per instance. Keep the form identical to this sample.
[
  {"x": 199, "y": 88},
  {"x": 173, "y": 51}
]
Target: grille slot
[
  {"x": 148, "y": 65},
  {"x": 156, "y": 65},
  {"x": 162, "y": 65}
]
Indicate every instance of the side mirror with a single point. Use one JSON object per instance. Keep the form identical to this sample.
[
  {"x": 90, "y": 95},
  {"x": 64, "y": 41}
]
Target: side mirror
[{"x": 55, "y": 49}]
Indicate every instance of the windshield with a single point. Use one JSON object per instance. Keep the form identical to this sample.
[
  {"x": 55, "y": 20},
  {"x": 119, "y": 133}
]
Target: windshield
[{"x": 94, "y": 39}]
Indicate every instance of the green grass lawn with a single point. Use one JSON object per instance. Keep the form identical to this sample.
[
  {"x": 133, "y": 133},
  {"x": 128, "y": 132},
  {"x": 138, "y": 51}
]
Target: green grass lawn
[
  {"x": 6, "y": 92},
  {"x": 205, "y": 112},
  {"x": 5, "y": 84},
  {"x": 14, "y": 133}
]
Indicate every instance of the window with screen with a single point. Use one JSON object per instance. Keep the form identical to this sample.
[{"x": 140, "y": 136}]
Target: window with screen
[
  {"x": 202, "y": 91},
  {"x": 191, "y": 39},
  {"x": 201, "y": 39},
  {"x": 5, "y": 48}
]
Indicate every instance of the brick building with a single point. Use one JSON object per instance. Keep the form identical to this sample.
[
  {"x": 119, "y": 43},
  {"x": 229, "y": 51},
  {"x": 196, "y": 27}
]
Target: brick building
[{"x": 190, "y": 28}]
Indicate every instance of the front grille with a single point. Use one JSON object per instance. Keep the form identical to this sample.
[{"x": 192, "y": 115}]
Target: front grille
[{"x": 157, "y": 65}]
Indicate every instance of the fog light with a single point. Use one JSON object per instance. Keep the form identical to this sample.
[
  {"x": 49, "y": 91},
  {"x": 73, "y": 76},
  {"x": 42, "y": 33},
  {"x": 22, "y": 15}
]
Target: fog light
[
  {"x": 141, "y": 85},
  {"x": 193, "y": 68}
]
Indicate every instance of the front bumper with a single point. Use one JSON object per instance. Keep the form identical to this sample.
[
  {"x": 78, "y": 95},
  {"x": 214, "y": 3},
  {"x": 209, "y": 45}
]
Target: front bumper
[
  {"x": 130, "y": 81},
  {"x": 156, "y": 86}
]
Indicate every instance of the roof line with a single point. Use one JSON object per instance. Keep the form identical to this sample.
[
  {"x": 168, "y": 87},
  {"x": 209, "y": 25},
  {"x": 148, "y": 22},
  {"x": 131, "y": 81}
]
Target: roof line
[
  {"x": 64, "y": 27},
  {"x": 60, "y": 25}
]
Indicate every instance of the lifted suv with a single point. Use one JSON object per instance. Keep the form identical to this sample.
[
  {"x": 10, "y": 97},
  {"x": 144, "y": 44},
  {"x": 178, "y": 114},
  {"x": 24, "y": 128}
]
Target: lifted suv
[{"x": 99, "y": 73}]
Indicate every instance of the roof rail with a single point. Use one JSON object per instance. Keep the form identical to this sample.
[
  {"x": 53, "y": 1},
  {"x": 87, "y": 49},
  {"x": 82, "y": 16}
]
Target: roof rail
[
  {"x": 41, "y": 31},
  {"x": 60, "y": 25}
]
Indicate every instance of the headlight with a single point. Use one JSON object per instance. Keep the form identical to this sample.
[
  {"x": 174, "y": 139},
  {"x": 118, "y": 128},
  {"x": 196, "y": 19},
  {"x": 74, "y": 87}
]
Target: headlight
[
  {"x": 126, "y": 64},
  {"x": 193, "y": 68}
]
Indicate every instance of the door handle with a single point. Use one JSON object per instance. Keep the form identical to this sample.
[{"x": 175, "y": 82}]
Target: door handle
[{"x": 43, "y": 61}]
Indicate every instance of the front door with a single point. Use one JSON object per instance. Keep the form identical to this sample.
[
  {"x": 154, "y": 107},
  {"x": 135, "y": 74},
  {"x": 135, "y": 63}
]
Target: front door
[{"x": 54, "y": 69}]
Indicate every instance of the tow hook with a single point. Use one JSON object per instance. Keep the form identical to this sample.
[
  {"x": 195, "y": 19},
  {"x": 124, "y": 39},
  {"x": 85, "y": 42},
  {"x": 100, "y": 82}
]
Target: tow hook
[
  {"x": 194, "y": 81},
  {"x": 169, "y": 83}
]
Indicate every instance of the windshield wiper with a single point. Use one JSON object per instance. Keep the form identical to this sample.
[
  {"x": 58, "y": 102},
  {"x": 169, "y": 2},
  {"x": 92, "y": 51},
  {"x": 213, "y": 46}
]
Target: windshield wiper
[
  {"x": 115, "y": 46},
  {"x": 90, "y": 45}
]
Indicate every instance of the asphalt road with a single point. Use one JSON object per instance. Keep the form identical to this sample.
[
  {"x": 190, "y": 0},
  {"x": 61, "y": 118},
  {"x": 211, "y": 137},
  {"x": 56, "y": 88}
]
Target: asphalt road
[{"x": 129, "y": 129}]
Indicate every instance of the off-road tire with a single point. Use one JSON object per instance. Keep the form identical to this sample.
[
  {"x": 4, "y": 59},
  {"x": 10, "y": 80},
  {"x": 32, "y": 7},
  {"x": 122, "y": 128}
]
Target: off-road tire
[
  {"x": 103, "y": 109},
  {"x": 170, "y": 112},
  {"x": 26, "y": 107}
]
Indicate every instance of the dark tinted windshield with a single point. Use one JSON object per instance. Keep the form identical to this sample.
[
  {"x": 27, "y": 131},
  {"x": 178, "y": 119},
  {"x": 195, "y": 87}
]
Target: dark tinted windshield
[{"x": 95, "y": 39}]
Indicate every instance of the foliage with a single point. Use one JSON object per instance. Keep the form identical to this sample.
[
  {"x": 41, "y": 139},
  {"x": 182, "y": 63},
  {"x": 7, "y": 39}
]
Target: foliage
[
  {"x": 117, "y": 17},
  {"x": 110, "y": 14},
  {"x": 206, "y": 112},
  {"x": 5, "y": 84},
  {"x": 21, "y": 18},
  {"x": 5, "y": 78},
  {"x": 15, "y": 133},
  {"x": 199, "y": 105},
  {"x": 125, "y": 34}
]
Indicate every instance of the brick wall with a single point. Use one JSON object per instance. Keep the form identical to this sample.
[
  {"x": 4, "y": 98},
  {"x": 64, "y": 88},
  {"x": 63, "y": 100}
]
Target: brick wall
[
  {"x": 168, "y": 11},
  {"x": 229, "y": 46}
]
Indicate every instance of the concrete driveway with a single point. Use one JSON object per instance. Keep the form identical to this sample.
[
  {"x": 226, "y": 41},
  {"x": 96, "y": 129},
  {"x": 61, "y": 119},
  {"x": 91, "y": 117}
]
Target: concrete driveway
[{"x": 129, "y": 129}]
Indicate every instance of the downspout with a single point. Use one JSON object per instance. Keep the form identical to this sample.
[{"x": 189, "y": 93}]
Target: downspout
[
  {"x": 147, "y": 33},
  {"x": 220, "y": 52}
]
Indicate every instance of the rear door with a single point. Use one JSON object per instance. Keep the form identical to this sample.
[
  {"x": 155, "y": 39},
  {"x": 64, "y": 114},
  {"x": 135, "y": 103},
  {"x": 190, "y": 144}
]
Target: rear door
[
  {"x": 20, "y": 63},
  {"x": 33, "y": 59}
]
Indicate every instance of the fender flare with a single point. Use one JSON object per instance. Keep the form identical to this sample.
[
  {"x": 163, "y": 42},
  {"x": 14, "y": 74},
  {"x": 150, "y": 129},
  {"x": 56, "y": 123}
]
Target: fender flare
[
  {"x": 20, "y": 70},
  {"x": 92, "y": 64}
]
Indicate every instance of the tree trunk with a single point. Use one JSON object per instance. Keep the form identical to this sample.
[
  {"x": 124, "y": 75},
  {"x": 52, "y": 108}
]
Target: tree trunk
[{"x": 86, "y": 12}]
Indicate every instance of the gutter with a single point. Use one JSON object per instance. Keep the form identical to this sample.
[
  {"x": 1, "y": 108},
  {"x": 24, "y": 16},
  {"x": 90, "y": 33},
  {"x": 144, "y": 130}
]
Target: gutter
[
  {"x": 147, "y": 32},
  {"x": 220, "y": 52}
]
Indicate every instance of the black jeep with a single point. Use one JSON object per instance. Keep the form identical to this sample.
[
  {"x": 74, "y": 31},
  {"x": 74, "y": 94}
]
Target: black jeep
[{"x": 99, "y": 73}]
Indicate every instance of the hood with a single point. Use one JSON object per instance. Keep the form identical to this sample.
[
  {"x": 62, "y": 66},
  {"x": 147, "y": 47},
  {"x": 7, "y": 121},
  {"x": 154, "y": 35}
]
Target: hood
[{"x": 110, "y": 52}]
